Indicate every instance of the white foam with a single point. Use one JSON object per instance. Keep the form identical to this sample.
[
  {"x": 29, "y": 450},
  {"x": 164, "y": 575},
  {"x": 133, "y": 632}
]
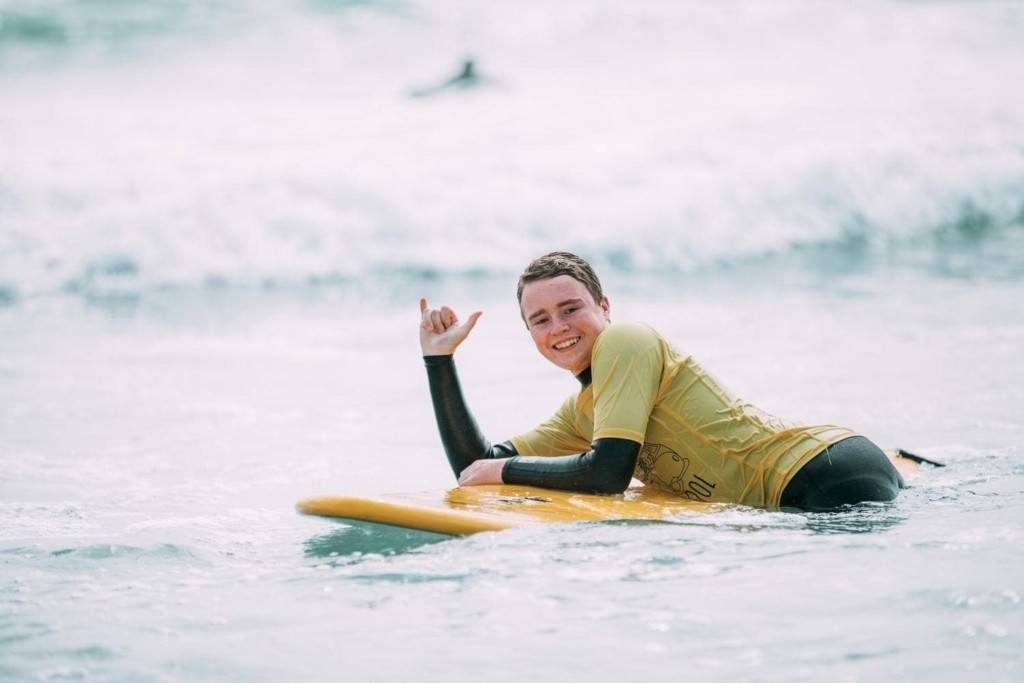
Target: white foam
[{"x": 667, "y": 134}]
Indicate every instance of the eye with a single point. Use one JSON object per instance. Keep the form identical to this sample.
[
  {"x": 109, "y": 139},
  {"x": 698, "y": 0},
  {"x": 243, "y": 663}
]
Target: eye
[
  {"x": 571, "y": 310},
  {"x": 538, "y": 322}
]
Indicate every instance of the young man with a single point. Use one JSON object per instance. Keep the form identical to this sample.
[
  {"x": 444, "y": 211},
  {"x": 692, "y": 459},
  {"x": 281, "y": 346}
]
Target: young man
[{"x": 643, "y": 410}]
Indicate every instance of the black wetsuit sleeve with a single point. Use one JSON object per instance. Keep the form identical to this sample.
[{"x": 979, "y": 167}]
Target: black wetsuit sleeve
[
  {"x": 607, "y": 468},
  {"x": 460, "y": 435}
]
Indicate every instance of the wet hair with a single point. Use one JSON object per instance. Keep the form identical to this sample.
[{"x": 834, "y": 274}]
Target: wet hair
[{"x": 561, "y": 263}]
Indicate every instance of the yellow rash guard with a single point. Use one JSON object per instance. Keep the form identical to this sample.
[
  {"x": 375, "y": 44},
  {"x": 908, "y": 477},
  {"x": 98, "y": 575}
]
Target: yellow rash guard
[{"x": 697, "y": 439}]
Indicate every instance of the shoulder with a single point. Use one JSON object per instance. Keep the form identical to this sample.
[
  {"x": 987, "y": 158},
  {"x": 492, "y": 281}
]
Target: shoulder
[{"x": 627, "y": 337}]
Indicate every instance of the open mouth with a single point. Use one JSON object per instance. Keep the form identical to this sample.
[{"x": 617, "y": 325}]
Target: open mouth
[{"x": 567, "y": 344}]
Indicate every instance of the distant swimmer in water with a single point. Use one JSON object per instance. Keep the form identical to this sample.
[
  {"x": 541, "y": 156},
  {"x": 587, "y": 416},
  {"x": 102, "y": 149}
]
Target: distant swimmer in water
[{"x": 465, "y": 79}]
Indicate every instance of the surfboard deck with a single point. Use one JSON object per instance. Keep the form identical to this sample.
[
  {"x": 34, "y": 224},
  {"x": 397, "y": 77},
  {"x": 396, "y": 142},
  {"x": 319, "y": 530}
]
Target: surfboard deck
[{"x": 472, "y": 509}]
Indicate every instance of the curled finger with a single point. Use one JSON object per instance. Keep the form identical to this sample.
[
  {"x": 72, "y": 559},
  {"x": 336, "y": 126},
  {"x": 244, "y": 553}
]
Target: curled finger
[{"x": 435, "y": 320}]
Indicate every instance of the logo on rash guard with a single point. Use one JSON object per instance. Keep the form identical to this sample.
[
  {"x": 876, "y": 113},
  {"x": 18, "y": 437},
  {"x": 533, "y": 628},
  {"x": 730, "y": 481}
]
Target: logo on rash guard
[{"x": 661, "y": 466}]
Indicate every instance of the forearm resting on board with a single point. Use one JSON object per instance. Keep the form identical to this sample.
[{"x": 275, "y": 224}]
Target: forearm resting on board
[{"x": 607, "y": 468}]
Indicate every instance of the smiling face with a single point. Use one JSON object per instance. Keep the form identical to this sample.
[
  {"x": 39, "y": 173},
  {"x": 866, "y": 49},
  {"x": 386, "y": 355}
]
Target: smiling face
[{"x": 564, "y": 320}]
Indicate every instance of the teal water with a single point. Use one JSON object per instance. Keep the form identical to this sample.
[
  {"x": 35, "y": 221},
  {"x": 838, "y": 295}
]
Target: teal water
[
  {"x": 152, "y": 461},
  {"x": 216, "y": 220}
]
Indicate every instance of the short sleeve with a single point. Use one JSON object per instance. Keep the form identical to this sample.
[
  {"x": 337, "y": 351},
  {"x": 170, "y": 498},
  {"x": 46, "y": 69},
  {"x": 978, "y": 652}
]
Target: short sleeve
[
  {"x": 626, "y": 369},
  {"x": 557, "y": 436}
]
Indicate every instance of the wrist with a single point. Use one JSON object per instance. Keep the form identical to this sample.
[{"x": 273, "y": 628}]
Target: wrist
[
  {"x": 504, "y": 468},
  {"x": 437, "y": 350}
]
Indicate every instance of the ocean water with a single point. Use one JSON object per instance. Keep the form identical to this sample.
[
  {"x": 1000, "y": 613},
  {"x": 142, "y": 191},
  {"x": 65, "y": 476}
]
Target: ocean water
[{"x": 216, "y": 219}]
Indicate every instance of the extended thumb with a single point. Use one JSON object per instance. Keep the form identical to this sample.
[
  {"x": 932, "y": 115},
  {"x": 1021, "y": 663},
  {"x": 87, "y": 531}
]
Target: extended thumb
[{"x": 471, "y": 322}]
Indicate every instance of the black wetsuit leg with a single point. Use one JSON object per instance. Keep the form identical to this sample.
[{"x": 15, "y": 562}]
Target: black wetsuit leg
[{"x": 853, "y": 470}]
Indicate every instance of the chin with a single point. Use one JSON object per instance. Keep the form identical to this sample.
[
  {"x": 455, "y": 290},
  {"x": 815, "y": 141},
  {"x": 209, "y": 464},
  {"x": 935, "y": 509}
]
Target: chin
[
  {"x": 574, "y": 365},
  {"x": 560, "y": 363},
  {"x": 569, "y": 363}
]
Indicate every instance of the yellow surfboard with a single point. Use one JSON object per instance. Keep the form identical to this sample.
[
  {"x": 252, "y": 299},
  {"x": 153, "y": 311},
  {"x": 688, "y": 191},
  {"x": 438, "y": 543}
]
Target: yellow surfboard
[{"x": 472, "y": 509}]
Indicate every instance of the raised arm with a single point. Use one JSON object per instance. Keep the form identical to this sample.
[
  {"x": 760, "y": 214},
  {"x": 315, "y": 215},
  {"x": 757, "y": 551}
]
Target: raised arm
[
  {"x": 606, "y": 468},
  {"x": 440, "y": 335}
]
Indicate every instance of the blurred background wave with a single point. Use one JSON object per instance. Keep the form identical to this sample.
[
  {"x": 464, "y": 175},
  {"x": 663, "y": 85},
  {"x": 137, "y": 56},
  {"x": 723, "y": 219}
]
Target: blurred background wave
[{"x": 181, "y": 144}]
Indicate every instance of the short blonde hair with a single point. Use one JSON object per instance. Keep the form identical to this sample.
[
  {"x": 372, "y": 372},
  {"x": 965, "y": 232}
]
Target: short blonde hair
[{"x": 561, "y": 263}]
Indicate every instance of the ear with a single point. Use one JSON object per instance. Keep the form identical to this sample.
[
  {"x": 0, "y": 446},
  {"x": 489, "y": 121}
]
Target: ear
[{"x": 606, "y": 306}]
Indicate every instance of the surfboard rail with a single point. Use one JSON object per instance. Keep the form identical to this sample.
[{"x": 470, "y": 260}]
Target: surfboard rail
[{"x": 393, "y": 512}]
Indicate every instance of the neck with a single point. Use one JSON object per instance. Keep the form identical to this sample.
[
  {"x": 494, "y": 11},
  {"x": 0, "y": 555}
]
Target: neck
[{"x": 584, "y": 377}]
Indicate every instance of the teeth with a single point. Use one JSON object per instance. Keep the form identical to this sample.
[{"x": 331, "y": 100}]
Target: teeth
[{"x": 566, "y": 344}]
